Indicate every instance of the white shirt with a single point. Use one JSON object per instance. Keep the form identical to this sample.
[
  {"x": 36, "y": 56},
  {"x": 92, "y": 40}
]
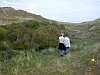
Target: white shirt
[
  {"x": 61, "y": 39},
  {"x": 67, "y": 42}
]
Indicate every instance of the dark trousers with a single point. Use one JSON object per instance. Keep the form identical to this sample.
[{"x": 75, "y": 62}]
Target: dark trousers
[{"x": 61, "y": 48}]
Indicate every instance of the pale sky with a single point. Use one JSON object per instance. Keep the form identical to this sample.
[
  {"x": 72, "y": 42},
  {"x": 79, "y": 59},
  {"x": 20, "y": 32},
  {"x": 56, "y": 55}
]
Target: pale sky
[{"x": 74, "y": 11}]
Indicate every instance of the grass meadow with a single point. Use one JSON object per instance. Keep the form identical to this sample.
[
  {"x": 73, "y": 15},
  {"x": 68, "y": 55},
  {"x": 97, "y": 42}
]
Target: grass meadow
[{"x": 48, "y": 62}]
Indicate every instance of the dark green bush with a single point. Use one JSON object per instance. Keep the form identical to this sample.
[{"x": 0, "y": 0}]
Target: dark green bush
[
  {"x": 3, "y": 33},
  {"x": 31, "y": 24},
  {"x": 46, "y": 37},
  {"x": 6, "y": 51}
]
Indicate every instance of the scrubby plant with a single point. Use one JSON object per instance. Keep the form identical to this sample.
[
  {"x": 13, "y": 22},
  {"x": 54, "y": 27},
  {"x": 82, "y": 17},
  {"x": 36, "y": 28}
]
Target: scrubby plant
[
  {"x": 3, "y": 33},
  {"x": 31, "y": 24},
  {"x": 46, "y": 36}
]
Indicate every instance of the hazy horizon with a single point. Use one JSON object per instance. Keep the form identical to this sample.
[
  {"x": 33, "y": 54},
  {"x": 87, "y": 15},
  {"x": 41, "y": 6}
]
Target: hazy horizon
[{"x": 74, "y": 11}]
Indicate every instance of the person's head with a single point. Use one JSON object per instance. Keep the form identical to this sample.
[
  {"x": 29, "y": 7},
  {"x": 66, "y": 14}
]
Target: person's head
[
  {"x": 66, "y": 35},
  {"x": 62, "y": 34}
]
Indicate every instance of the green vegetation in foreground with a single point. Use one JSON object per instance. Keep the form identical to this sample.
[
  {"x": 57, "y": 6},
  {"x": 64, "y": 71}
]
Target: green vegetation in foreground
[
  {"x": 19, "y": 42},
  {"x": 50, "y": 63}
]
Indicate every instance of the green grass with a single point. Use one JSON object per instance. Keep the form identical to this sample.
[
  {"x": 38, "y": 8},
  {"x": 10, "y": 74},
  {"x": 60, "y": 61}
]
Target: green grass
[{"x": 50, "y": 63}]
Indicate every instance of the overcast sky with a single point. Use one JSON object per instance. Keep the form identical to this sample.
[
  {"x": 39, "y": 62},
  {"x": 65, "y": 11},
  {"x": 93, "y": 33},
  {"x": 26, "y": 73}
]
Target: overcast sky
[{"x": 60, "y": 10}]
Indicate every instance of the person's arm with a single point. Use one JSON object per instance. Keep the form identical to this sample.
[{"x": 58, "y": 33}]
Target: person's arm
[{"x": 68, "y": 42}]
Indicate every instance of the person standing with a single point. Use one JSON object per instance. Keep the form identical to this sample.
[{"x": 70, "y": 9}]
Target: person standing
[
  {"x": 66, "y": 43},
  {"x": 61, "y": 44}
]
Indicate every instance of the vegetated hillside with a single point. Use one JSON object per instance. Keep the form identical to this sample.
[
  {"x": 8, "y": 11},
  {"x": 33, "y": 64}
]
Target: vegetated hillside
[
  {"x": 28, "y": 35},
  {"x": 9, "y": 15},
  {"x": 30, "y": 48}
]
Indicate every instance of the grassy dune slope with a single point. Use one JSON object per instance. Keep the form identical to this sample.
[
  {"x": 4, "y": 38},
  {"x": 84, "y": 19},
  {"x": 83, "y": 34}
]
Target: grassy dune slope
[{"x": 85, "y": 46}]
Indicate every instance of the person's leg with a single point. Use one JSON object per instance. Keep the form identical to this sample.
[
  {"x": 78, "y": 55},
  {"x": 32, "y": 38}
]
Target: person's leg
[
  {"x": 66, "y": 50},
  {"x": 62, "y": 52}
]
